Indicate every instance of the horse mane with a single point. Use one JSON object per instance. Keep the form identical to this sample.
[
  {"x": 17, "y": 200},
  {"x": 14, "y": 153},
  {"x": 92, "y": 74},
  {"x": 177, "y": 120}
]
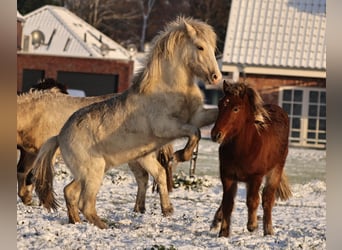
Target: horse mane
[
  {"x": 165, "y": 44},
  {"x": 37, "y": 94},
  {"x": 255, "y": 100}
]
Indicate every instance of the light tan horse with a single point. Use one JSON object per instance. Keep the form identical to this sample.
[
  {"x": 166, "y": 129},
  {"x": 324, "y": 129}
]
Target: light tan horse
[
  {"x": 40, "y": 115},
  {"x": 163, "y": 103}
]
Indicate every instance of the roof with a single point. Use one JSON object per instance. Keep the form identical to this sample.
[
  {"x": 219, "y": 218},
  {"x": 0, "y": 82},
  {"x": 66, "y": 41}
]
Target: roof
[
  {"x": 71, "y": 36},
  {"x": 20, "y": 17},
  {"x": 284, "y": 34}
]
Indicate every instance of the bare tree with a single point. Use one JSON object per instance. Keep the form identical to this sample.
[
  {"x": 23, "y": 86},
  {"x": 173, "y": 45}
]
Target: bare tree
[{"x": 146, "y": 8}]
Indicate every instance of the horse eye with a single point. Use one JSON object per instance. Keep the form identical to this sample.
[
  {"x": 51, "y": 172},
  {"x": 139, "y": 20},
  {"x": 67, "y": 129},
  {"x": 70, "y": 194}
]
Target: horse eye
[
  {"x": 236, "y": 109},
  {"x": 200, "y": 48}
]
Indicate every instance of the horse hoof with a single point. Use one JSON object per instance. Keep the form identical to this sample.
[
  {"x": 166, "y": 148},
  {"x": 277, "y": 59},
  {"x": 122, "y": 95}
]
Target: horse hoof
[
  {"x": 141, "y": 210},
  {"x": 27, "y": 201},
  {"x": 252, "y": 227},
  {"x": 101, "y": 224},
  {"x": 268, "y": 231},
  {"x": 224, "y": 233},
  {"x": 214, "y": 228},
  {"x": 168, "y": 211}
]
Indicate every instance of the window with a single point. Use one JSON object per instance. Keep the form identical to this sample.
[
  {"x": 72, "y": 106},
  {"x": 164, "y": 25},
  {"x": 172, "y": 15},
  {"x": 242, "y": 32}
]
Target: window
[{"x": 306, "y": 108}]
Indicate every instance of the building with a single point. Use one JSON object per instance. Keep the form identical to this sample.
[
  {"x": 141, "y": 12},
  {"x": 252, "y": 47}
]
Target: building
[
  {"x": 55, "y": 43},
  {"x": 279, "y": 47}
]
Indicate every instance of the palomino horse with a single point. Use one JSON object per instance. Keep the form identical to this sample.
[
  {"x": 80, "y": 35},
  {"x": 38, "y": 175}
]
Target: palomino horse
[
  {"x": 41, "y": 114},
  {"x": 27, "y": 143},
  {"x": 163, "y": 103},
  {"x": 254, "y": 144}
]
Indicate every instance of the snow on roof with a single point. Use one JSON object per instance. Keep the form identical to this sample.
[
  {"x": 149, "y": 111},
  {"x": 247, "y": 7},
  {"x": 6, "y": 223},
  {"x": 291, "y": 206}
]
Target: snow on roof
[
  {"x": 70, "y": 35},
  {"x": 20, "y": 17},
  {"x": 279, "y": 33}
]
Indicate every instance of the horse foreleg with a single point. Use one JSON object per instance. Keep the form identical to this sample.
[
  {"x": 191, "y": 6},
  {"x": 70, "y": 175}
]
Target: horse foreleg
[
  {"x": 253, "y": 202},
  {"x": 202, "y": 117},
  {"x": 185, "y": 154},
  {"x": 141, "y": 177},
  {"x": 151, "y": 165},
  {"x": 24, "y": 175},
  {"x": 229, "y": 192}
]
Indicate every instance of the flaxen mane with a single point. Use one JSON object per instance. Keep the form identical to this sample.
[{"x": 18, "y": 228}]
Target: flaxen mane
[{"x": 164, "y": 43}]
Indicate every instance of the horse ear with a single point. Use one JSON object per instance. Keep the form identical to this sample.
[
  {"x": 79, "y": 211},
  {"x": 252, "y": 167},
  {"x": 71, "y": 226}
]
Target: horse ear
[
  {"x": 190, "y": 30},
  {"x": 245, "y": 90},
  {"x": 225, "y": 86}
]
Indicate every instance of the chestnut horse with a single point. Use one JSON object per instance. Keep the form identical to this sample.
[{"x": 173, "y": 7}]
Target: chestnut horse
[
  {"x": 163, "y": 103},
  {"x": 254, "y": 145}
]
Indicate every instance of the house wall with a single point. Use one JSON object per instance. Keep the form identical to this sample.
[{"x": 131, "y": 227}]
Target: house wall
[
  {"x": 268, "y": 86},
  {"x": 52, "y": 64}
]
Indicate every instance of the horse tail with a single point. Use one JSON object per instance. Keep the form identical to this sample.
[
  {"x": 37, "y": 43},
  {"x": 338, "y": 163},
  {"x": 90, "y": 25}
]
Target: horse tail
[
  {"x": 283, "y": 192},
  {"x": 43, "y": 173}
]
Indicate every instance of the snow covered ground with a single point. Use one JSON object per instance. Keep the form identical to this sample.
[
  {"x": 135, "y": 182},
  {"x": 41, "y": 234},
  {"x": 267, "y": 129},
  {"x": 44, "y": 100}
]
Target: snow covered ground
[{"x": 299, "y": 223}]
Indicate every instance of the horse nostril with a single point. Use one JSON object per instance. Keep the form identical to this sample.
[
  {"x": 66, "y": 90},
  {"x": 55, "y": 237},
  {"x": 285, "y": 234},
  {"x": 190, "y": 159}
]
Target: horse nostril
[
  {"x": 216, "y": 137},
  {"x": 216, "y": 78}
]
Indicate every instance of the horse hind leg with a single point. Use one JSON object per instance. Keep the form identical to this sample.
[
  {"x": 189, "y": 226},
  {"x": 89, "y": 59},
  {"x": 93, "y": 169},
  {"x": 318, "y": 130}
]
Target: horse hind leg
[
  {"x": 253, "y": 201},
  {"x": 216, "y": 223},
  {"x": 90, "y": 185},
  {"x": 71, "y": 195},
  {"x": 151, "y": 165},
  {"x": 141, "y": 177},
  {"x": 268, "y": 199},
  {"x": 24, "y": 176}
]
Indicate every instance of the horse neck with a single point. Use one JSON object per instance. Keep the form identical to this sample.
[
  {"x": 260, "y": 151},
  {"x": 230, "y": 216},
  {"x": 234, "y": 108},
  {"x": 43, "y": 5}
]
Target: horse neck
[
  {"x": 177, "y": 73},
  {"x": 165, "y": 74}
]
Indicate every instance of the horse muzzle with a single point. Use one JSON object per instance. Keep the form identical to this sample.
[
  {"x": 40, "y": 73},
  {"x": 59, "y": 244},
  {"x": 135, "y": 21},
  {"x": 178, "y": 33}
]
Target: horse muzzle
[
  {"x": 215, "y": 78},
  {"x": 216, "y": 136}
]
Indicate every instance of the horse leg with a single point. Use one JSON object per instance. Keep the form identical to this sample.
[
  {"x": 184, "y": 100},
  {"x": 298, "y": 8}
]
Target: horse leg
[
  {"x": 150, "y": 164},
  {"x": 253, "y": 201},
  {"x": 71, "y": 195},
  {"x": 268, "y": 198},
  {"x": 90, "y": 186},
  {"x": 229, "y": 192},
  {"x": 141, "y": 176},
  {"x": 24, "y": 175},
  {"x": 185, "y": 154},
  {"x": 216, "y": 223},
  {"x": 202, "y": 117}
]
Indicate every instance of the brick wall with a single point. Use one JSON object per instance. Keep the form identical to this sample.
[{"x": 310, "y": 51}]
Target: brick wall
[{"x": 52, "y": 64}]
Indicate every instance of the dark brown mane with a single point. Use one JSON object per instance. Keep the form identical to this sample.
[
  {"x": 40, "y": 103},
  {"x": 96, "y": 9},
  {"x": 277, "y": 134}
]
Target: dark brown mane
[
  {"x": 49, "y": 83},
  {"x": 257, "y": 104}
]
